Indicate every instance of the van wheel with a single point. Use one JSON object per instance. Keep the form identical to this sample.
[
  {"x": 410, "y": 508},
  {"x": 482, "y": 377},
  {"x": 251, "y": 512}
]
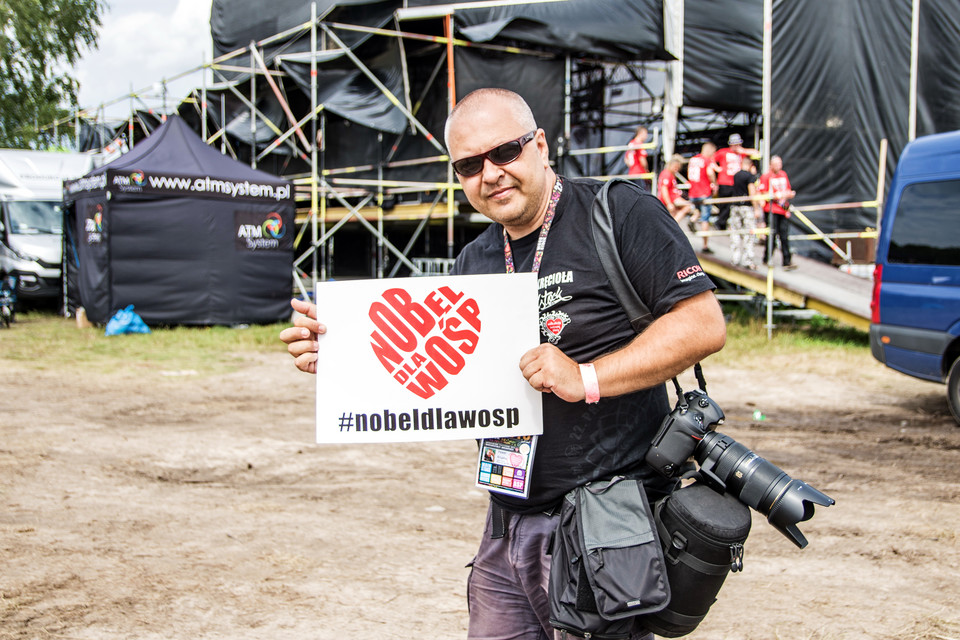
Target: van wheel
[{"x": 953, "y": 390}]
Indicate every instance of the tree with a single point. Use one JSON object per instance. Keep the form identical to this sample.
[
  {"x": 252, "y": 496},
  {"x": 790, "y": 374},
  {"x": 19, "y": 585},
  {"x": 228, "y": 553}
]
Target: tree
[{"x": 40, "y": 41}]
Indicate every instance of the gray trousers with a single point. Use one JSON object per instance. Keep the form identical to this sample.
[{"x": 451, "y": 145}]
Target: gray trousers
[{"x": 507, "y": 588}]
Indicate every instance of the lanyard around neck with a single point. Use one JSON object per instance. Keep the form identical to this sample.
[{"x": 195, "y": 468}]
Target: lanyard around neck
[{"x": 544, "y": 230}]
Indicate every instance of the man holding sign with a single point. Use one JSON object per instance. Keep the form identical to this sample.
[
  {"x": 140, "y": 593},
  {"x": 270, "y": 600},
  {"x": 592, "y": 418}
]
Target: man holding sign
[{"x": 603, "y": 385}]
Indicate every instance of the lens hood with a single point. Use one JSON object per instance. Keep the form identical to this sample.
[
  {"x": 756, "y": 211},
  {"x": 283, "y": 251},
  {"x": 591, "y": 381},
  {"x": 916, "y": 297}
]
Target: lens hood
[{"x": 796, "y": 504}]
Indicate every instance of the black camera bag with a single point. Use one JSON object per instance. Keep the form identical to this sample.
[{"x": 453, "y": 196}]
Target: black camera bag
[{"x": 702, "y": 533}]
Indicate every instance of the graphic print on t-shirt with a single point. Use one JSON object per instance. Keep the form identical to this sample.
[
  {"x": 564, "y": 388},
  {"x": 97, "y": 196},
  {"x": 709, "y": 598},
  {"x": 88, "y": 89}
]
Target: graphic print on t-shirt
[
  {"x": 553, "y": 322},
  {"x": 552, "y": 325}
]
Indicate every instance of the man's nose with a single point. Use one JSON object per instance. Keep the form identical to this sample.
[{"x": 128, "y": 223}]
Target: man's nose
[{"x": 491, "y": 171}]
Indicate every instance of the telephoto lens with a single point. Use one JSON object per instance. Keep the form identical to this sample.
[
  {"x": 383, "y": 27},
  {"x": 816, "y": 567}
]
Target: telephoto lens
[{"x": 728, "y": 466}]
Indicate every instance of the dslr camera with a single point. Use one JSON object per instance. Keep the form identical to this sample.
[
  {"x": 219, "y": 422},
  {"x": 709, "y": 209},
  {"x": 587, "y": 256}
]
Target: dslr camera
[{"x": 728, "y": 466}]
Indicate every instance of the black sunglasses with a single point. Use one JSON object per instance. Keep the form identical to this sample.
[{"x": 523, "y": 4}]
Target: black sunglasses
[{"x": 500, "y": 155}]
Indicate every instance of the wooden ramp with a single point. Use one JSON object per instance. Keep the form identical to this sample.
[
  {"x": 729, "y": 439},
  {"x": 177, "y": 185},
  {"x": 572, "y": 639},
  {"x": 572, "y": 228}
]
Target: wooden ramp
[{"x": 812, "y": 285}]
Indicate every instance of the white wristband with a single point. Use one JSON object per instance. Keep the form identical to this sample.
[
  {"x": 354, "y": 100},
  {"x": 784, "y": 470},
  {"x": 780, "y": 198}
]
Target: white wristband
[{"x": 591, "y": 386}]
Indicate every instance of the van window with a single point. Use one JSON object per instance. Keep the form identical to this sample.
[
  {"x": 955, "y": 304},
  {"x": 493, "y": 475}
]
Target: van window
[
  {"x": 35, "y": 217},
  {"x": 926, "y": 229}
]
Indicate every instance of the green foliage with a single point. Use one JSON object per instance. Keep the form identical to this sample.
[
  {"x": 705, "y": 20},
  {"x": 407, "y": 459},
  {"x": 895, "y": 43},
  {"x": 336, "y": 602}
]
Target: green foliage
[{"x": 39, "y": 41}]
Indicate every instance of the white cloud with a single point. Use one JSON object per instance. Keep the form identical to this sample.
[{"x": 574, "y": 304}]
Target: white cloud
[{"x": 142, "y": 44}]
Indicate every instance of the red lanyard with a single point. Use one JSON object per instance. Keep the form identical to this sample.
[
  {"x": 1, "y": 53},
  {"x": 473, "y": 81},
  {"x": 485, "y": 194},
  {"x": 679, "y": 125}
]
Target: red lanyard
[{"x": 544, "y": 230}]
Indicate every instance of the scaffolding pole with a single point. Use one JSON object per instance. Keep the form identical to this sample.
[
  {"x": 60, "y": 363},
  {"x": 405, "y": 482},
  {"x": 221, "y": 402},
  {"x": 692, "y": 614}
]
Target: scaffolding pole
[{"x": 314, "y": 174}]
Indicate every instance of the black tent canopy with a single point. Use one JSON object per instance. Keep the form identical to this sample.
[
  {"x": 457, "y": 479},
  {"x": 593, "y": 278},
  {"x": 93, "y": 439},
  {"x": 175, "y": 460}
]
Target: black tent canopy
[{"x": 185, "y": 234}]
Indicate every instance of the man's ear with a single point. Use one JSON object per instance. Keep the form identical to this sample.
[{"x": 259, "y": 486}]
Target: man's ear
[{"x": 542, "y": 147}]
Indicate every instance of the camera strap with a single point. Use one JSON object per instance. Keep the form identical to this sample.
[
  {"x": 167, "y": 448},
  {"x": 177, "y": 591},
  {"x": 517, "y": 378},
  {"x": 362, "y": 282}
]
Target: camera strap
[
  {"x": 637, "y": 311},
  {"x": 681, "y": 399}
]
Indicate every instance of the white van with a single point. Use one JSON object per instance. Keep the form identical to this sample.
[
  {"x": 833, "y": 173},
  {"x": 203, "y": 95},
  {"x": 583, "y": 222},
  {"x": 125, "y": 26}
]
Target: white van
[{"x": 31, "y": 216}]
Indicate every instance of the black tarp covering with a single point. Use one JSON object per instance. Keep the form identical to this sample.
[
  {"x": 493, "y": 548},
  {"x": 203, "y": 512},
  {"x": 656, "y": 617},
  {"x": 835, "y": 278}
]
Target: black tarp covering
[
  {"x": 938, "y": 109},
  {"x": 841, "y": 83},
  {"x": 723, "y": 54},
  {"x": 234, "y": 24},
  {"x": 97, "y": 135},
  {"x": 608, "y": 28},
  {"x": 620, "y": 29},
  {"x": 539, "y": 81},
  {"x": 616, "y": 29},
  {"x": 185, "y": 234},
  {"x": 343, "y": 89},
  {"x": 841, "y": 72}
]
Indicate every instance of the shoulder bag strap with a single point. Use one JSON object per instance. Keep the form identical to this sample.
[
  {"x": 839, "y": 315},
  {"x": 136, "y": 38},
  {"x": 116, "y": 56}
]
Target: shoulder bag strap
[
  {"x": 603, "y": 235},
  {"x": 637, "y": 311}
]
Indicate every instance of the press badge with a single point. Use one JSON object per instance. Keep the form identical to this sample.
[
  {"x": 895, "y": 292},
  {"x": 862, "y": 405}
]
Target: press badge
[{"x": 505, "y": 464}]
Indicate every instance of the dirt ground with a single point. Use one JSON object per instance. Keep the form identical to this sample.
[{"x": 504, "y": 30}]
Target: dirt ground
[{"x": 165, "y": 504}]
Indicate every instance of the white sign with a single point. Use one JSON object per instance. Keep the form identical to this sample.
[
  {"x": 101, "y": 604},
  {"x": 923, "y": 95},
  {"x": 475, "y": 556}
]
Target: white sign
[{"x": 414, "y": 359}]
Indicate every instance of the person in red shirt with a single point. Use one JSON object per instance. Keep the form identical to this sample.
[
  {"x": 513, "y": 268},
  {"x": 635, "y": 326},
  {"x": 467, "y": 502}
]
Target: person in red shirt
[
  {"x": 728, "y": 159},
  {"x": 667, "y": 189},
  {"x": 776, "y": 183},
  {"x": 636, "y": 156},
  {"x": 702, "y": 175}
]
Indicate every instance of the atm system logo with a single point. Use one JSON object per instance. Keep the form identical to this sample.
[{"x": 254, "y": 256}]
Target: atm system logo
[
  {"x": 93, "y": 225},
  {"x": 273, "y": 226},
  {"x": 254, "y": 232}
]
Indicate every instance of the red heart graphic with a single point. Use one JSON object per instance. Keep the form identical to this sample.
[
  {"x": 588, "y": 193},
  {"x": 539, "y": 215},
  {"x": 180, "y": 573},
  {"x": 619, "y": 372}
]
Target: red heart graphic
[
  {"x": 424, "y": 344},
  {"x": 554, "y": 325},
  {"x": 516, "y": 460}
]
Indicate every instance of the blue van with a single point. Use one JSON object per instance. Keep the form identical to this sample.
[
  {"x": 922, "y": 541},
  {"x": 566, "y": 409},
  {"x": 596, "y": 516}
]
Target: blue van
[{"x": 915, "y": 327}]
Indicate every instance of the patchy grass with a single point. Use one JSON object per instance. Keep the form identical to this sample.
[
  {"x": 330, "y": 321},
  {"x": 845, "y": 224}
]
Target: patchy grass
[
  {"x": 748, "y": 342},
  {"x": 47, "y": 341},
  {"x": 44, "y": 340}
]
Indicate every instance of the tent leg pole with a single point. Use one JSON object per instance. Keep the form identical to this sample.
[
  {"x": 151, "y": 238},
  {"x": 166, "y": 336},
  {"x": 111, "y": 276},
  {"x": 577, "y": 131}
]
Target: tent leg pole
[
  {"x": 253, "y": 108},
  {"x": 203, "y": 99}
]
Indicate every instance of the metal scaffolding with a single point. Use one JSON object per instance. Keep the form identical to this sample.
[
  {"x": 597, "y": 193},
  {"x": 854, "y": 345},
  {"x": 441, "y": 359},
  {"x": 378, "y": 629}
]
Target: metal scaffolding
[{"x": 603, "y": 102}]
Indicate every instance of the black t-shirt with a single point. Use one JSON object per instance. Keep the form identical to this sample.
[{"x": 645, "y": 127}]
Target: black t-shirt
[
  {"x": 741, "y": 185},
  {"x": 581, "y": 314}
]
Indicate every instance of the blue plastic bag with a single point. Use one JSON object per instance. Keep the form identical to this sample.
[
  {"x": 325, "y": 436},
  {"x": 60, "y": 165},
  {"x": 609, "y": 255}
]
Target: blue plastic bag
[{"x": 126, "y": 320}]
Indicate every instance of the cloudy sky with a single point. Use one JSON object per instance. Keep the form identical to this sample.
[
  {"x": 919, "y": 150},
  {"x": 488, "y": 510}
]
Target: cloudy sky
[{"x": 141, "y": 43}]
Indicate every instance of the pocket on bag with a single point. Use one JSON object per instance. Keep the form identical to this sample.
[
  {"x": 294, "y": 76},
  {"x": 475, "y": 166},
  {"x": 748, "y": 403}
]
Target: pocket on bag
[{"x": 621, "y": 552}]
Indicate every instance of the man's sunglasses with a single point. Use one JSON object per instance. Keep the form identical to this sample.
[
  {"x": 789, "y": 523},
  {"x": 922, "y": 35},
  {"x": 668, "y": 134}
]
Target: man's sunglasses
[{"x": 503, "y": 154}]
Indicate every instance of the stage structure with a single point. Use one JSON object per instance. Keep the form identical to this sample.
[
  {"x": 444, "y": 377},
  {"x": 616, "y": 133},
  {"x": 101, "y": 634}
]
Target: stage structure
[
  {"x": 380, "y": 79},
  {"x": 348, "y": 99}
]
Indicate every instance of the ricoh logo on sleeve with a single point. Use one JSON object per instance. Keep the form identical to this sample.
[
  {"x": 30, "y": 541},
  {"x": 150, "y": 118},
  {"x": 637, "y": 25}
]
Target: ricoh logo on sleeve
[{"x": 691, "y": 272}]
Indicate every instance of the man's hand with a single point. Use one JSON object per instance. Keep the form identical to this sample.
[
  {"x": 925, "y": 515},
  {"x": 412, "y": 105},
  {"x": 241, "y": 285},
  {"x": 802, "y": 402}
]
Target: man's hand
[
  {"x": 549, "y": 370},
  {"x": 301, "y": 338}
]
